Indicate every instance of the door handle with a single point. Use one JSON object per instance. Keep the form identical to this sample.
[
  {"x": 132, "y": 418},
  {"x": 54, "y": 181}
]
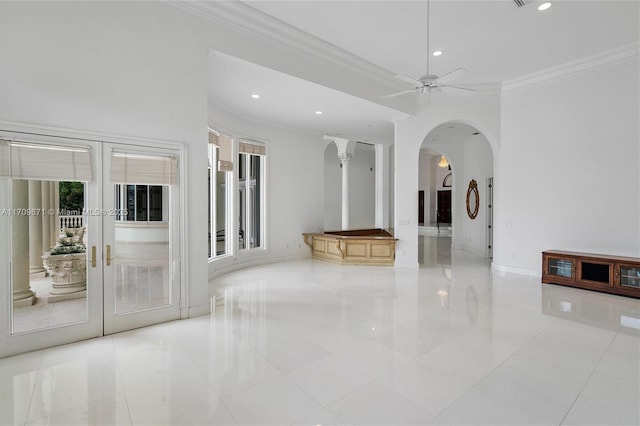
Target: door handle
[
  {"x": 93, "y": 256},
  {"x": 108, "y": 255}
]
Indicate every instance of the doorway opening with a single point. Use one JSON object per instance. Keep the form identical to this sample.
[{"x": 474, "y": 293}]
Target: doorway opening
[
  {"x": 435, "y": 194},
  {"x": 452, "y": 155}
]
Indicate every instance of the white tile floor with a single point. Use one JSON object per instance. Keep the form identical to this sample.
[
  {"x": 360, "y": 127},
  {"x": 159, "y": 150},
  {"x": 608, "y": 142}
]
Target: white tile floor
[{"x": 313, "y": 343}]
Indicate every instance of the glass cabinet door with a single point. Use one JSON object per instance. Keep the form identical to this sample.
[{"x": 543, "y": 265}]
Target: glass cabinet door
[
  {"x": 560, "y": 267},
  {"x": 629, "y": 276}
]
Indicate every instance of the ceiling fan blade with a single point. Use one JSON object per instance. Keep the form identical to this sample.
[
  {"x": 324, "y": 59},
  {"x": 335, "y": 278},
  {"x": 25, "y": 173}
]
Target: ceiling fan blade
[
  {"x": 408, "y": 79},
  {"x": 393, "y": 95},
  {"x": 457, "y": 88},
  {"x": 450, "y": 76}
]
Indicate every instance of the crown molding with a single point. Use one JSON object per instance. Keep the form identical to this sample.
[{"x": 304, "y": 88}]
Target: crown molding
[
  {"x": 244, "y": 19},
  {"x": 613, "y": 57}
]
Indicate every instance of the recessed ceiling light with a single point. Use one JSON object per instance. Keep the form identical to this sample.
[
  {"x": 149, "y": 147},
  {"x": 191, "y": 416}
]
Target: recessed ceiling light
[
  {"x": 318, "y": 112},
  {"x": 437, "y": 53},
  {"x": 544, "y": 6},
  {"x": 255, "y": 96}
]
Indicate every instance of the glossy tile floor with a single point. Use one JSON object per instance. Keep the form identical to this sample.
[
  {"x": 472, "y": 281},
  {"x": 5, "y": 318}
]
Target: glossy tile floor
[{"x": 313, "y": 343}]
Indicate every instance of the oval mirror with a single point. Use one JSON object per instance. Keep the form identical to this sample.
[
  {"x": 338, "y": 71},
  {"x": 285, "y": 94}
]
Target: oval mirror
[{"x": 473, "y": 199}]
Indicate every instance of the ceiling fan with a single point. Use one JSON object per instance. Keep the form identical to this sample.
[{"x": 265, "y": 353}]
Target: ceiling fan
[{"x": 429, "y": 83}]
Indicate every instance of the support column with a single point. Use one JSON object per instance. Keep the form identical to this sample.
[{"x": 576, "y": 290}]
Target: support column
[
  {"x": 346, "y": 149},
  {"x": 344, "y": 162},
  {"x": 35, "y": 227},
  {"x": 22, "y": 294},
  {"x": 382, "y": 187}
]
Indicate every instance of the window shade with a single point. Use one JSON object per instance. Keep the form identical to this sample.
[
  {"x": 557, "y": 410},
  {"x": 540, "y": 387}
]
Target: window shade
[
  {"x": 225, "y": 152},
  {"x": 143, "y": 169},
  {"x": 31, "y": 160},
  {"x": 247, "y": 147}
]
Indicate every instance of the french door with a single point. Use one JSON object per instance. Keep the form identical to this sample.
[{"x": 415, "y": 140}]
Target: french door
[{"x": 89, "y": 239}]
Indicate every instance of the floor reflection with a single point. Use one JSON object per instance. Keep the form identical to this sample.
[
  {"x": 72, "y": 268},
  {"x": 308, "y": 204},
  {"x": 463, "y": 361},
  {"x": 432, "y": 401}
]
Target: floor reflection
[
  {"x": 434, "y": 250},
  {"x": 587, "y": 307}
]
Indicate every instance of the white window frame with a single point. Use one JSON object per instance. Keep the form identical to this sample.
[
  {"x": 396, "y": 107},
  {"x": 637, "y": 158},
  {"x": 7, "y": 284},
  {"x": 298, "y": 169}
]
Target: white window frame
[
  {"x": 232, "y": 199},
  {"x": 248, "y": 199},
  {"x": 212, "y": 155}
]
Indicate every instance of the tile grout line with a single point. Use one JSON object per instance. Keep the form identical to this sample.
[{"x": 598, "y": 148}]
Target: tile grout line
[{"x": 589, "y": 378}]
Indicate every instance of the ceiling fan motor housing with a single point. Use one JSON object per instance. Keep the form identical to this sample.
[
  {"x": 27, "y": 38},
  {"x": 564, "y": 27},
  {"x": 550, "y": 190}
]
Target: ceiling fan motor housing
[{"x": 428, "y": 78}]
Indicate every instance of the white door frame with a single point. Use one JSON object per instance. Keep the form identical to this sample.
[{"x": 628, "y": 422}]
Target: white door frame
[{"x": 11, "y": 344}]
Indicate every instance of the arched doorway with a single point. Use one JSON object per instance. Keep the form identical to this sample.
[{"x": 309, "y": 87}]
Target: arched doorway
[{"x": 469, "y": 156}]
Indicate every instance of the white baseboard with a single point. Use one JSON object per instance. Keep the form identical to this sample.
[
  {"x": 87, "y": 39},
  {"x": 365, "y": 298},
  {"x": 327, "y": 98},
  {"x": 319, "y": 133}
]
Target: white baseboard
[
  {"x": 234, "y": 264},
  {"x": 406, "y": 265},
  {"x": 195, "y": 311},
  {"x": 512, "y": 270}
]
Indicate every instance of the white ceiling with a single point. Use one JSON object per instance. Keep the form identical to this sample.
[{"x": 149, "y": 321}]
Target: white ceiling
[
  {"x": 289, "y": 101},
  {"x": 494, "y": 40}
]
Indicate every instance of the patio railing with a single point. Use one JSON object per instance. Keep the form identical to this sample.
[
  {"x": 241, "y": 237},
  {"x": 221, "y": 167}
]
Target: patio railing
[{"x": 74, "y": 221}]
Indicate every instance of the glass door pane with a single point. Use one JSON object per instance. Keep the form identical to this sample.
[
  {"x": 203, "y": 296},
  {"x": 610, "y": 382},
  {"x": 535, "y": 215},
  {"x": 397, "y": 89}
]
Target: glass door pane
[
  {"x": 141, "y": 280},
  {"x": 49, "y": 256},
  {"x": 50, "y": 290}
]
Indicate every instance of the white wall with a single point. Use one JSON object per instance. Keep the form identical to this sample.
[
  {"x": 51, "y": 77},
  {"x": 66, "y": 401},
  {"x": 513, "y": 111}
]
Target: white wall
[
  {"x": 569, "y": 177},
  {"x": 478, "y": 165},
  {"x": 295, "y": 188},
  {"x": 362, "y": 185},
  {"x": 332, "y": 189}
]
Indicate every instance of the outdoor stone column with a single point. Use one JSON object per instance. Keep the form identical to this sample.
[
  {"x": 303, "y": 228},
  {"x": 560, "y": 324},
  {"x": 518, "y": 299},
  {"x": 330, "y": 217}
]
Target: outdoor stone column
[
  {"x": 35, "y": 226},
  {"x": 46, "y": 220},
  {"x": 22, "y": 294}
]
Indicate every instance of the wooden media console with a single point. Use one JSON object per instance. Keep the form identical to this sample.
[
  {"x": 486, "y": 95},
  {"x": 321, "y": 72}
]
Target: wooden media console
[{"x": 608, "y": 274}]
